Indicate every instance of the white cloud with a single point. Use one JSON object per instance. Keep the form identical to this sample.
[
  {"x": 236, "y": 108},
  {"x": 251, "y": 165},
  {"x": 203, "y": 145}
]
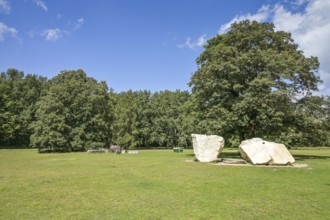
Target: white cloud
[
  {"x": 188, "y": 44},
  {"x": 4, "y": 7},
  {"x": 298, "y": 2},
  {"x": 59, "y": 16},
  {"x": 31, "y": 34},
  {"x": 53, "y": 34},
  {"x": 41, "y": 4},
  {"x": 310, "y": 29},
  {"x": 261, "y": 16},
  {"x": 285, "y": 20},
  {"x": 200, "y": 42},
  {"x": 78, "y": 24},
  {"x": 4, "y": 29}
]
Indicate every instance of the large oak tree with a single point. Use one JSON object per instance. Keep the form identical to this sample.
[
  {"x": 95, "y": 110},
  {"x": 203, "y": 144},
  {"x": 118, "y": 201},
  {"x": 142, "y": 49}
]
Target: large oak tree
[{"x": 247, "y": 80}]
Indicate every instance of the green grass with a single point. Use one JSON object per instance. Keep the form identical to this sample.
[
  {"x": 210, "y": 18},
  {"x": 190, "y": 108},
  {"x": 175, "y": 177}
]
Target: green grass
[{"x": 160, "y": 184}]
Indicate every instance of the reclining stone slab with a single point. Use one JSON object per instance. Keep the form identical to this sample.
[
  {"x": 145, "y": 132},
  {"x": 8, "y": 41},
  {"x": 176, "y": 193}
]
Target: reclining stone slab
[{"x": 258, "y": 151}]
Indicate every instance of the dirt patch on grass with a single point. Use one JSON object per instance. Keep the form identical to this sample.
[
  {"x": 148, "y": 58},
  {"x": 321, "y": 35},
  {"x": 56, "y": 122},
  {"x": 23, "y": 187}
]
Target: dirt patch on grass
[
  {"x": 296, "y": 165},
  {"x": 235, "y": 162}
]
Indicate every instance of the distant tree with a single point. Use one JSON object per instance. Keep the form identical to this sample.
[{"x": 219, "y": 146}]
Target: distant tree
[
  {"x": 18, "y": 97},
  {"x": 167, "y": 119},
  {"x": 7, "y": 118},
  {"x": 247, "y": 79},
  {"x": 74, "y": 115},
  {"x": 130, "y": 128},
  {"x": 143, "y": 119},
  {"x": 311, "y": 124}
]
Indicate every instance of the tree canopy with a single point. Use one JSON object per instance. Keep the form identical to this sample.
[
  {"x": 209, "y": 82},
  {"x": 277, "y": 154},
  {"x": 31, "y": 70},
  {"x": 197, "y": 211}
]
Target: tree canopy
[
  {"x": 150, "y": 120},
  {"x": 247, "y": 81},
  {"x": 74, "y": 115},
  {"x": 18, "y": 96}
]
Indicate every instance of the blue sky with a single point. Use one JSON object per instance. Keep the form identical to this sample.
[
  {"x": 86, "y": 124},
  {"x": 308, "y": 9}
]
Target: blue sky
[{"x": 143, "y": 44}]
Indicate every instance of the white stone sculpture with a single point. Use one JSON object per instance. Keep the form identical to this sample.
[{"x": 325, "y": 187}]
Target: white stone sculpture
[
  {"x": 133, "y": 152},
  {"x": 258, "y": 151},
  {"x": 207, "y": 147},
  {"x": 116, "y": 149}
]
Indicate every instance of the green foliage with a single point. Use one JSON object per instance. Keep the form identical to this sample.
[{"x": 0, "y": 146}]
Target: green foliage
[
  {"x": 129, "y": 124},
  {"x": 247, "y": 79},
  {"x": 18, "y": 96},
  {"x": 167, "y": 119},
  {"x": 74, "y": 115},
  {"x": 144, "y": 119},
  {"x": 311, "y": 124}
]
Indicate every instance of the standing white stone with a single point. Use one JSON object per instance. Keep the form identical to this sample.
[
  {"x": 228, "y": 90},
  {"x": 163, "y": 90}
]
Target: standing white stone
[
  {"x": 258, "y": 151},
  {"x": 207, "y": 147}
]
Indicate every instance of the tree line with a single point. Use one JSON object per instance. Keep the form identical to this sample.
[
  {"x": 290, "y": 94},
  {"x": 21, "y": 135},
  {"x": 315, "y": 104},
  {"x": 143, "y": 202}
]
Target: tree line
[
  {"x": 252, "y": 81},
  {"x": 74, "y": 112}
]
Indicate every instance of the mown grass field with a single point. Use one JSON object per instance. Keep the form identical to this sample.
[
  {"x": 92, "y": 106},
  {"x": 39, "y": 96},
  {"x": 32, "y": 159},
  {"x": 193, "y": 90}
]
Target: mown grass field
[{"x": 160, "y": 184}]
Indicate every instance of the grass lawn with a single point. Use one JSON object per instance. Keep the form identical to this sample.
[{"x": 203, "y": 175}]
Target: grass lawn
[{"x": 160, "y": 184}]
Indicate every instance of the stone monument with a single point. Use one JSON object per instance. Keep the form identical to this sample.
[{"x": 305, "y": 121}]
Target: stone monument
[
  {"x": 207, "y": 147},
  {"x": 258, "y": 151}
]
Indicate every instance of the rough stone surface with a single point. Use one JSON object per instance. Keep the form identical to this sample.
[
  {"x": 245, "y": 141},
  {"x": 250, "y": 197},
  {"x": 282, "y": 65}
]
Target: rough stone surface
[
  {"x": 115, "y": 149},
  {"x": 133, "y": 152},
  {"x": 258, "y": 151},
  {"x": 101, "y": 150},
  {"x": 233, "y": 161},
  {"x": 207, "y": 147}
]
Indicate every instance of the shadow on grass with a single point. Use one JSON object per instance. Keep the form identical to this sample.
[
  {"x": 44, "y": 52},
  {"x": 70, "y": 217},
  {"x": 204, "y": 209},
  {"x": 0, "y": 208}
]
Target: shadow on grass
[
  {"x": 223, "y": 155},
  {"x": 309, "y": 157},
  {"x": 230, "y": 155},
  {"x": 297, "y": 157}
]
